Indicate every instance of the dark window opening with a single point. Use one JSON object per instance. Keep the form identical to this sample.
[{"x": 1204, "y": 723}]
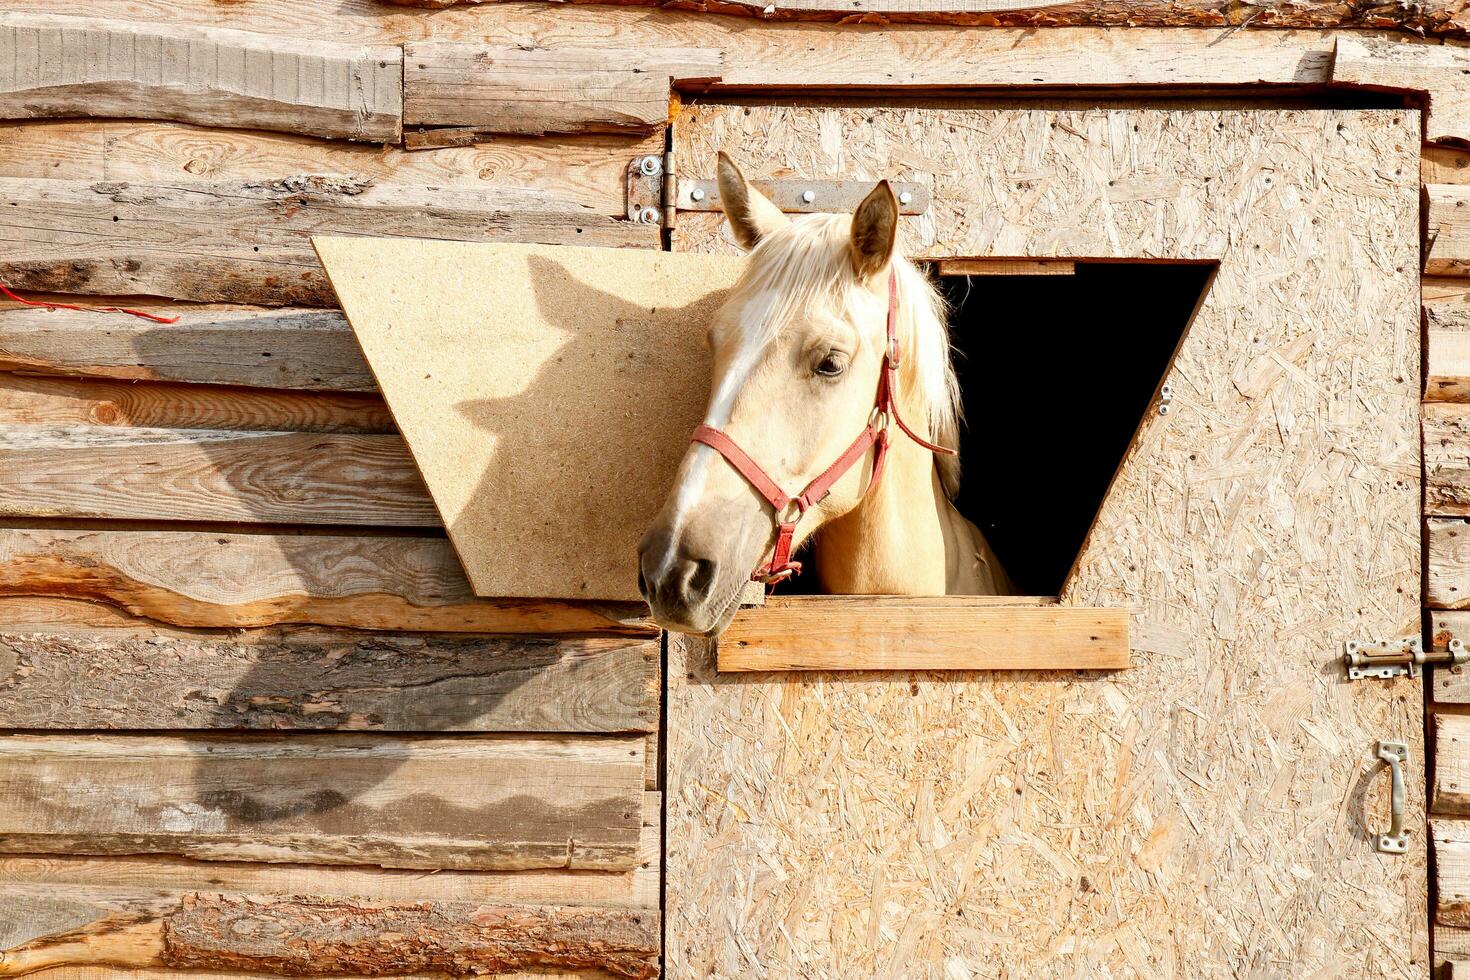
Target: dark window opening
[{"x": 1057, "y": 373}]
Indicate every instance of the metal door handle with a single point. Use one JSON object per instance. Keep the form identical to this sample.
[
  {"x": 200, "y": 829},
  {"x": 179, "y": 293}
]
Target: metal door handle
[{"x": 1396, "y": 754}]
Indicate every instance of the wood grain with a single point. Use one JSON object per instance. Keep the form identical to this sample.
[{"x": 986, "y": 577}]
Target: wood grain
[
  {"x": 1446, "y": 459},
  {"x": 55, "y": 402},
  {"x": 1447, "y": 374},
  {"x": 1450, "y": 790},
  {"x": 310, "y": 350},
  {"x": 585, "y": 171},
  {"x": 214, "y": 579},
  {"x": 1443, "y": 17},
  {"x": 249, "y": 242},
  {"x": 62, "y": 66},
  {"x": 1440, "y": 71},
  {"x": 116, "y": 679},
  {"x": 1446, "y": 303},
  {"x": 810, "y": 634},
  {"x": 469, "y": 802},
  {"x": 1444, "y": 165},
  {"x": 333, "y": 936},
  {"x": 1446, "y": 563},
  {"x": 1450, "y": 685},
  {"x": 1451, "y": 839},
  {"x": 210, "y": 475},
  {"x": 1447, "y": 230},
  {"x": 477, "y": 89}
]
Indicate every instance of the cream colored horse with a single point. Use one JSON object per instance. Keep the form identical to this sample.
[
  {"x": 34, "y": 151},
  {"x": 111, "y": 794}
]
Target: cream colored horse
[{"x": 798, "y": 349}]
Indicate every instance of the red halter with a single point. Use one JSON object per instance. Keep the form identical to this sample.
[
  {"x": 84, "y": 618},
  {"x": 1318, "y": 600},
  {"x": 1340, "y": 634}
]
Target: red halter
[{"x": 875, "y": 436}]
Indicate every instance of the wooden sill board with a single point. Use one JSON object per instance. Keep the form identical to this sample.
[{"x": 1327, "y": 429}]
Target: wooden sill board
[{"x": 930, "y": 633}]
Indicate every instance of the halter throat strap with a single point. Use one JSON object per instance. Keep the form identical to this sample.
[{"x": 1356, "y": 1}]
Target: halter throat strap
[{"x": 788, "y": 509}]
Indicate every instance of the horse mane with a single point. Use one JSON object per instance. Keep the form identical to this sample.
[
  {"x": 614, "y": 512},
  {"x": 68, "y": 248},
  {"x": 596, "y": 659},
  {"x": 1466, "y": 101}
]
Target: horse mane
[{"x": 806, "y": 267}]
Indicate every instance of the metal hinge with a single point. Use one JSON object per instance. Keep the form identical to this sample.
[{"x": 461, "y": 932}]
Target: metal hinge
[
  {"x": 655, "y": 194},
  {"x": 1397, "y": 658}
]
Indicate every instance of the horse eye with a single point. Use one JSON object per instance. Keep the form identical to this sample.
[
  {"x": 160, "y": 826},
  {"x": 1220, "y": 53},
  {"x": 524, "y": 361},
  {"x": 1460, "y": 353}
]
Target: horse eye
[{"x": 832, "y": 365}]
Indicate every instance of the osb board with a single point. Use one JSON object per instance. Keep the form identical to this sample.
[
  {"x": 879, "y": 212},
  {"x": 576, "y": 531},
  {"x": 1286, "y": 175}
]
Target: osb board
[
  {"x": 1208, "y": 812},
  {"x": 547, "y": 394}
]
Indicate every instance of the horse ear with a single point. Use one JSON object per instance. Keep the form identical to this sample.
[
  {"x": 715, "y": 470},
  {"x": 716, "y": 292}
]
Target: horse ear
[
  {"x": 751, "y": 215},
  {"x": 874, "y": 231}
]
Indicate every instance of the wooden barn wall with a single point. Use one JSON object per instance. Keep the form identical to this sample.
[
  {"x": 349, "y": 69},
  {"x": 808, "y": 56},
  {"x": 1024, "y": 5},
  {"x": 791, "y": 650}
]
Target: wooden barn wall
[{"x": 217, "y": 566}]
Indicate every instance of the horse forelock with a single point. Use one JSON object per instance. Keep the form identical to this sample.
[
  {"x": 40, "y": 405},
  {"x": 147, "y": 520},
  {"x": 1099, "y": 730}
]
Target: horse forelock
[{"x": 805, "y": 268}]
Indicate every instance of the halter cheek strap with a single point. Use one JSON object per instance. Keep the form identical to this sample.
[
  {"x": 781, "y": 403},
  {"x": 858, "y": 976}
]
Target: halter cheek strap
[{"x": 787, "y": 509}]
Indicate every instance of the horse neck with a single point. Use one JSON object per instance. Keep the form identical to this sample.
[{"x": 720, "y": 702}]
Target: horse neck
[{"x": 896, "y": 540}]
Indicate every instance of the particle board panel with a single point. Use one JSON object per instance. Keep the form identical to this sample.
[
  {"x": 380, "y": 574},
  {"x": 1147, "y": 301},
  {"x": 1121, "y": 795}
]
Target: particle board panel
[
  {"x": 544, "y": 452},
  {"x": 249, "y": 241},
  {"x": 323, "y": 680},
  {"x": 811, "y": 634},
  {"x": 215, "y": 579},
  {"x": 1186, "y": 816},
  {"x": 506, "y": 802},
  {"x": 59, "y": 66},
  {"x": 216, "y": 475}
]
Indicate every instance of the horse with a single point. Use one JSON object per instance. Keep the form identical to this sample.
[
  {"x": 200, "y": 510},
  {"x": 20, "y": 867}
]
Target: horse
[{"x": 825, "y": 314}]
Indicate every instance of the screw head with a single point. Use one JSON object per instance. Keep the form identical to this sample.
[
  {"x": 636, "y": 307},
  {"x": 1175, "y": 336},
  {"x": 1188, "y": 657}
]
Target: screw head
[
  {"x": 808, "y": 197},
  {"x": 697, "y": 194},
  {"x": 1163, "y": 409},
  {"x": 649, "y": 216},
  {"x": 651, "y": 166},
  {"x": 906, "y": 198}
]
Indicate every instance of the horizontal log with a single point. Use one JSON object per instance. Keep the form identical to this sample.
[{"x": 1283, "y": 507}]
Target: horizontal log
[
  {"x": 53, "y": 402},
  {"x": 808, "y": 633},
  {"x": 1447, "y": 229},
  {"x": 250, "y": 242},
  {"x": 1447, "y": 375},
  {"x": 311, "y": 350},
  {"x": 211, "y": 475},
  {"x": 1451, "y": 685},
  {"x": 1439, "y": 71},
  {"x": 1444, "y": 165},
  {"x": 1447, "y": 563},
  {"x": 584, "y": 171},
  {"x": 1446, "y": 459},
  {"x": 495, "y": 802},
  {"x": 333, "y": 936},
  {"x": 115, "y": 679},
  {"x": 1447, "y": 18},
  {"x": 85, "y": 66},
  {"x": 213, "y": 579},
  {"x": 1450, "y": 787},
  {"x": 510, "y": 89}
]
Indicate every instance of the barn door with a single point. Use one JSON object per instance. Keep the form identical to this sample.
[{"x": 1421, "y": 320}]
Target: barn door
[{"x": 1214, "y": 811}]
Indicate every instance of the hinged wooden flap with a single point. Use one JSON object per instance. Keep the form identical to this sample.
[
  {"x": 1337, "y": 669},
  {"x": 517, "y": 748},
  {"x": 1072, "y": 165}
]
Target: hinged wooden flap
[{"x": 546, "y": 393}]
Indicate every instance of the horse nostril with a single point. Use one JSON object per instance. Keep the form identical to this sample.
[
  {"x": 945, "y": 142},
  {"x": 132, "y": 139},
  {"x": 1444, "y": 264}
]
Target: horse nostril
[
  {"x": 701, "y": 577},
  {"x": 642, "y": 582}
]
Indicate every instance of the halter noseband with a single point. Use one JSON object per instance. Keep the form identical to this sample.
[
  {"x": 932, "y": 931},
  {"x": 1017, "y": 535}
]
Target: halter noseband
[{"x": 788, "y": 510}]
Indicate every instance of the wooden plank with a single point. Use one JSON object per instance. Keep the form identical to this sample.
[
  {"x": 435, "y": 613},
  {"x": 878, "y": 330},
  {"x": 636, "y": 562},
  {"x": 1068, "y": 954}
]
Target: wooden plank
[
  {"x": 214, "y": 579},
  {"x": 1447, "y": 230},
  {"x": 532, "y": 509},
  {"x": 489, "y": 89},
  {"x": 1450, "y": 787},
  {"x": 1447, "y": 375},
  {"x": 1456, "y": 970},
  {"x": 585, "y": 171},
  {"x": 61, "y": 66},
  {"x": 210, "y": 475},
  {"x": 809, "y": 634},
  {"x": 1435, "y": 17},
  {"x": 108, "y": 679},
  {"x": 1446, "y": 433},
  {"x": 1451, "y": 839},
  {"x": 1451, "y": 943},
  {"x": 471, "y": 802},
  {"x": 1450, "y": 685},
  {"x": 1444, "y": 165},
  {"x": 311, "y": 350},
  {"x": 1447, "y": 563},
  {"x": 1439, "y": 71},
  {"x": 1006, "y": 267},
  {"x": 249, "y": 242},
  {"x": 67, "y": 402},
  {"x": 332, "y": 936}
]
